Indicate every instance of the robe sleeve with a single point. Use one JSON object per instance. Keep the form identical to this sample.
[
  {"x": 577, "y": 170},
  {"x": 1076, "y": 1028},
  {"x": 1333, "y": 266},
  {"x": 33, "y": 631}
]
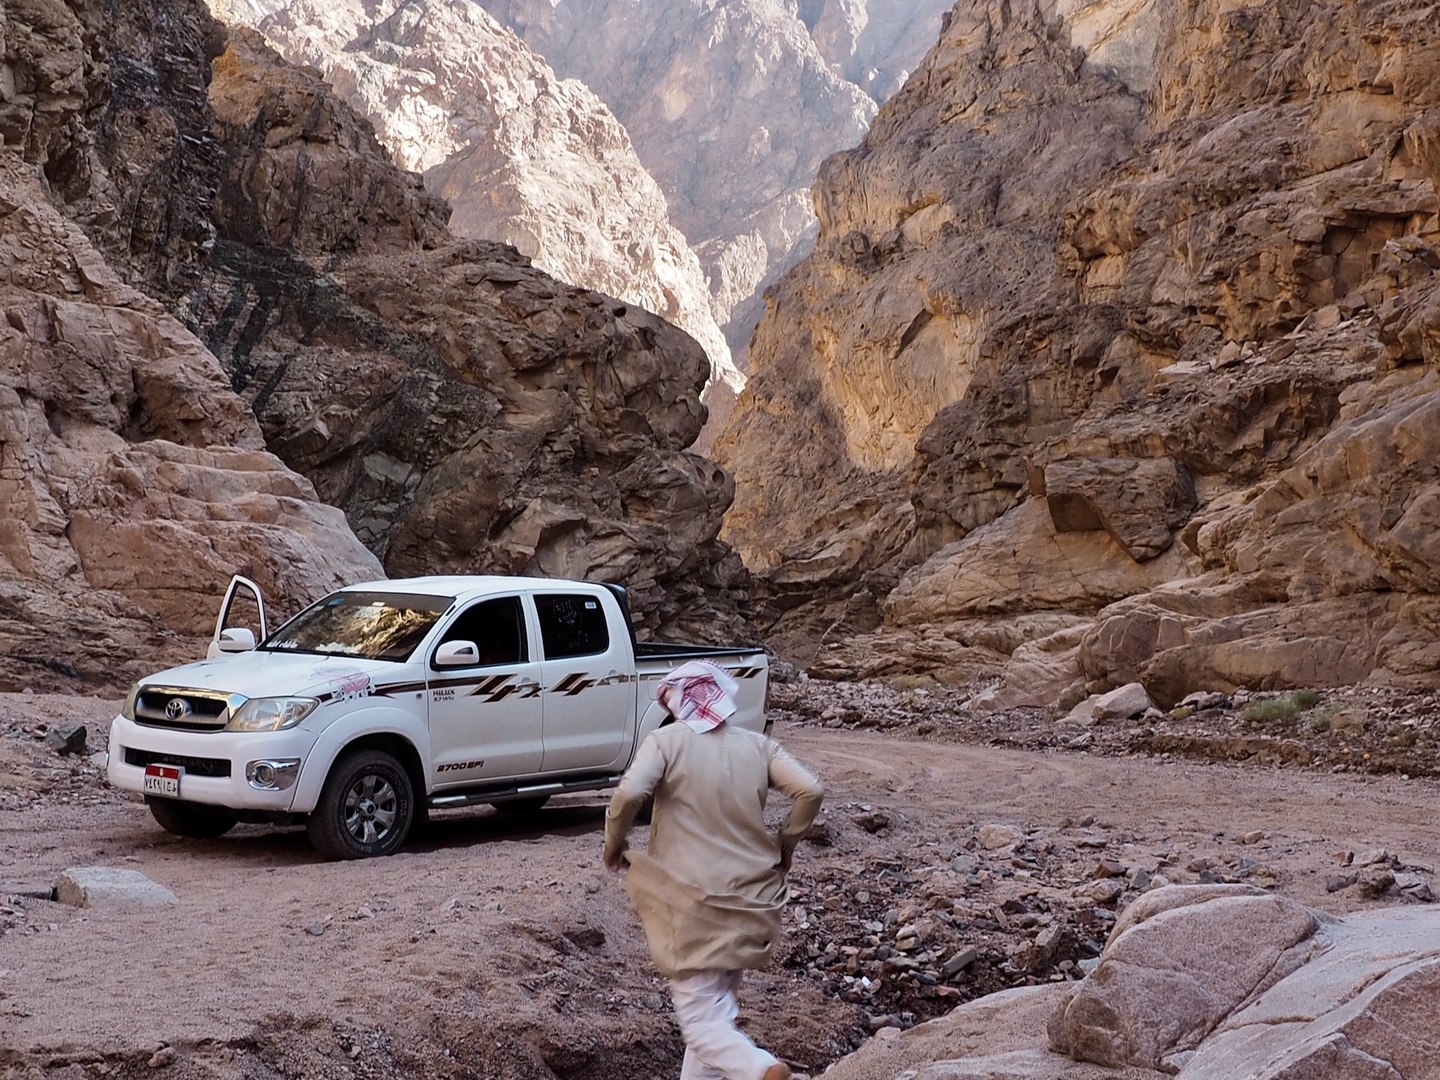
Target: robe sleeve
[
  {"x": 637, "y": 785},
  {"x": 793, "y": 779}
]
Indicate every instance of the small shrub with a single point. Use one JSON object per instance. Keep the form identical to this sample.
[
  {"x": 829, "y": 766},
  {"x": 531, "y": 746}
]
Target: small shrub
[
  {"x": 1272, "y": 711},
  {"x": 1320, "y": 722},
  {"x": 1405, "y": 736},
  {"x": 1306, "y": 699},
  {"x": 1072, "y": 697}
]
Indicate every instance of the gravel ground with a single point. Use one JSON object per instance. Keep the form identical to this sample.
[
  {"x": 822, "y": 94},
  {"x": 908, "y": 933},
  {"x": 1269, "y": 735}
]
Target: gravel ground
[{"x": 948, "y": 864}]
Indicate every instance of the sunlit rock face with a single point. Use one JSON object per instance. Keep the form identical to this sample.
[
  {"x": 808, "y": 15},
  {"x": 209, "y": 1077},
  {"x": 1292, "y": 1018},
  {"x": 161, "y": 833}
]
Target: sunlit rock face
[
  {"x": 732, "y": 107},
  {"x": 1097, "y": 311},
  {"x": 134, "y": 481},
  {"x": 521, "y": 156},
  {"x": 239, "y": 339}
]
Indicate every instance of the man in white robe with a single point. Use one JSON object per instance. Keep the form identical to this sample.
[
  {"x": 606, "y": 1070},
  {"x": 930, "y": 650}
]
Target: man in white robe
[{"x": 710, "y": 889}]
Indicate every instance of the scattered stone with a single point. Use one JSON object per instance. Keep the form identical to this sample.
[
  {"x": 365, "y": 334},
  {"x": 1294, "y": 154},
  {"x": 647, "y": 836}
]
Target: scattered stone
[
  {"x": 959, "y": 962},
  {"x": 67, "y": 740},
  {"x": 1253, "y": 837},
  {"x": 872, "y": 822},
  {"x": 315, "y": 929},
  {"x": 1374, "y": 882},
  {"x": 1129, "y": 700},
  {"x": 1202, "y": 699},
  {"x": 1340, "y": 882},
  {"x": 107, "y": 887},
  {"x": 819, "y": 833},
  {"x": 162, "y": 1057},
  {"x": 1374, "y": 857},
  {"x": 994, "y": 837},
  {"x": 1100, "y": 892}
]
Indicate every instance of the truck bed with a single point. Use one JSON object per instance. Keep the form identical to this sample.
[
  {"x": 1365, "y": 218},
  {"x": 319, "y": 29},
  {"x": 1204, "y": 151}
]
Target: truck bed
[{"x": 663, "y": 650}]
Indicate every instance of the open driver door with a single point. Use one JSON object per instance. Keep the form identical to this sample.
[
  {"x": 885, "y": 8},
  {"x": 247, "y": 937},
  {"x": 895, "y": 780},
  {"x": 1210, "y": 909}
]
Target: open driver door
[{"x": 233, "y": 630}]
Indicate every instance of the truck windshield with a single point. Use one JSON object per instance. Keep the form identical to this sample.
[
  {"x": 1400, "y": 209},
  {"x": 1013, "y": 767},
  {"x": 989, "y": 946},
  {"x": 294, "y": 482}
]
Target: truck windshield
[{"x": 371, "y": 625}]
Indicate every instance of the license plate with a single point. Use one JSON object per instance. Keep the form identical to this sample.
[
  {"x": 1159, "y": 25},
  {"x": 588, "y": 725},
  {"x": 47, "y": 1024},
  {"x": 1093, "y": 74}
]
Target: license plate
[{"x": 163, "y": 780}]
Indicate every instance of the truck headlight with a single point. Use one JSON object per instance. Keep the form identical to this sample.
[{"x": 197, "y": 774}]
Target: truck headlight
[
  {"x": 128, "y": 709},
  {"x": 271, "y": 713}
]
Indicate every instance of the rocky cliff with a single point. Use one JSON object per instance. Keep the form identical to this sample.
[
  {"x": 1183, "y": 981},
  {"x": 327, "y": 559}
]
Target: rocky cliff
[
  {"x": 521, "y": 156},
  {"x": 466, "y": 411},
  {"x": 730, "y": 106},
  {"x": 133, "y": 481},
  {"x": 1115, "y": 364}
]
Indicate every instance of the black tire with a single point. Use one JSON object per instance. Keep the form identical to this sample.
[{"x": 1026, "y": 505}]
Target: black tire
[
  {"x": 366, "y": 807},
  {"x": 190, "y": 819},
  {"x": 521, "y": 807}
]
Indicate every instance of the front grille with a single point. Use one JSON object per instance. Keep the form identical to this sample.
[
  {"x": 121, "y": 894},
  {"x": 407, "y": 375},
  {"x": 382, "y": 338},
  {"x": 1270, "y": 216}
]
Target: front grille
[
  {"x": 196, "y": 766},
  {"x": 186, "y": 710}
]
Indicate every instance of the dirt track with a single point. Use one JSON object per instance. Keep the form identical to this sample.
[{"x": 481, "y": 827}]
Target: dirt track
[{"x": 493, "y": 947}]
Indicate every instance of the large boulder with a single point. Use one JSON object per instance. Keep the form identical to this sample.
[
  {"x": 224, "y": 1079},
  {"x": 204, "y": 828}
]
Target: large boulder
[
  {"x": 133, "y": 479},
  {"x": 1180, "y": 962},
  {"x": 1219, "y": 982}
]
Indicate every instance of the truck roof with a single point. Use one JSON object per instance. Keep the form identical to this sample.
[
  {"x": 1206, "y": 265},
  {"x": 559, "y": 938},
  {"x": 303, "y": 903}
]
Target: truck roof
[{"x": 464, "y": 586}]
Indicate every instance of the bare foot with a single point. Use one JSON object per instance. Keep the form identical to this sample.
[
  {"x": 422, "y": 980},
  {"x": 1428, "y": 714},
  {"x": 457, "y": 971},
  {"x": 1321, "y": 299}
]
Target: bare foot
[{"x": 778, "y": 1071}]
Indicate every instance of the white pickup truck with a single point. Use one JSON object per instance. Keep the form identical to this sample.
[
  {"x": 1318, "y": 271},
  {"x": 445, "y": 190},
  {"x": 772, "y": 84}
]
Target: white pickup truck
[{"x": 387, "y": 699}]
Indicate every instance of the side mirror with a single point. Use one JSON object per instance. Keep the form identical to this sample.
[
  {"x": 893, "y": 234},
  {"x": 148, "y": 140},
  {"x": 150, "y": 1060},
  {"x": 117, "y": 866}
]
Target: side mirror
[
  {"x": 457, "y": 654},
  {"x": 236, "y": 639}
]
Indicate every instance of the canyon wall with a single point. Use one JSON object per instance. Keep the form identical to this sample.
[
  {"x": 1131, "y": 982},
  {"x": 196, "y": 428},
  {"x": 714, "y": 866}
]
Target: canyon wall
[
  {"x": 1117, "y": 363},
  {"x": 730, "y": 106},
  {"x": 211, "y": 282},
  {"x": 521, "y": 156},
  {"x": 133, "y": 481}
]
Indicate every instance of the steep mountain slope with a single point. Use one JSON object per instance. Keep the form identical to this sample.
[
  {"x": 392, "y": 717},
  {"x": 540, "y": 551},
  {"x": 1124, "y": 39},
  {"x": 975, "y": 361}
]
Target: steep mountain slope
[
  {"x": 466, "y": 411},
  {"x": 133, "y": 480},
  {"x": 874, "y": 44},
  {"x": 731, "y": 107},
  {"x": 1126, "y": 361},
  {"x": 521, "y": 156}
]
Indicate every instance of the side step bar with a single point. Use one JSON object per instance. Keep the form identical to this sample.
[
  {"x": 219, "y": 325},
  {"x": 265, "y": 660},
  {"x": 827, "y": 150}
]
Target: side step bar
[{"x": 504, "y": 793}]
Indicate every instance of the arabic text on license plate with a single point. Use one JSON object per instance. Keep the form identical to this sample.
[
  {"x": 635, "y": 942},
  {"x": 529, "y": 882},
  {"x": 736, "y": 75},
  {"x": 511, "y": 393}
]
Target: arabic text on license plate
[{"x": 163, "y": 780}]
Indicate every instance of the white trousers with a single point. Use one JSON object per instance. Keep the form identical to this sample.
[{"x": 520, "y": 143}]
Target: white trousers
[{"x": 715, "y": 1049}]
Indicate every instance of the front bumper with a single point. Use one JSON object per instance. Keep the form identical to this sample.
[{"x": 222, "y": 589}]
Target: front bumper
[{"x": 239, "y": 748}]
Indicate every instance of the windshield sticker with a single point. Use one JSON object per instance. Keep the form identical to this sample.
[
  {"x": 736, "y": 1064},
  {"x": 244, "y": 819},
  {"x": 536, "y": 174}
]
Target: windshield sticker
[{"x": 345, "y": 683}]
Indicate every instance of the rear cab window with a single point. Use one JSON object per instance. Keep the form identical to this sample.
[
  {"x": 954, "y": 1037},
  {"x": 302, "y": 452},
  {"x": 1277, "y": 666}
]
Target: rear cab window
[{"x": 572, "y": 624}]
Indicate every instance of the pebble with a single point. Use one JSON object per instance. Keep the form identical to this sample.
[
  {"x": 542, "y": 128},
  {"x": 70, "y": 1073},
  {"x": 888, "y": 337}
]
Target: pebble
[{"x": 315, "y": 929}]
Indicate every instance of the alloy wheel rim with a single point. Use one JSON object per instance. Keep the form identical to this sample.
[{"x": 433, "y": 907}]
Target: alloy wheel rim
[{"x": 371, "y": 807}]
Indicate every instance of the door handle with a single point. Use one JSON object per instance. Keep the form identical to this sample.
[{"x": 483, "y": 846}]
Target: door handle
[
  {"x": 527, "y": 684},
  {"x": 613, "y": 677}
]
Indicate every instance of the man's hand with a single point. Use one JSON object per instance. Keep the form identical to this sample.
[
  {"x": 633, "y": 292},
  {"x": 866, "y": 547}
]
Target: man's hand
[{"x": 614, "y": 857}]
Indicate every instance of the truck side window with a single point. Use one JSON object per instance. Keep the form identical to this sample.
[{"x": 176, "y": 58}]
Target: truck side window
[
  {"x": 572, "y": 625},
  {"x": 496, "y": 626}
]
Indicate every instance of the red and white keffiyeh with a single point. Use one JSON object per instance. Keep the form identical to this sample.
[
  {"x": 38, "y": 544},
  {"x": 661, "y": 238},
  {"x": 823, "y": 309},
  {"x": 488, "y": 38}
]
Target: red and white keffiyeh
[{"x": 699, "y": 694}]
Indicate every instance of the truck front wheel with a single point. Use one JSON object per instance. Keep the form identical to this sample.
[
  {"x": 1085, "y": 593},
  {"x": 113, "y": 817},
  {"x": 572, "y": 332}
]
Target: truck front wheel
[
  {"x": 190, "y": 819},
  {"x": 365, "y": 809}
]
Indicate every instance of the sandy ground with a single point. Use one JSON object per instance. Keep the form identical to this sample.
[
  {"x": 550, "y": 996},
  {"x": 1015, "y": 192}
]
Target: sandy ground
[{"x": 493, "y": 947}]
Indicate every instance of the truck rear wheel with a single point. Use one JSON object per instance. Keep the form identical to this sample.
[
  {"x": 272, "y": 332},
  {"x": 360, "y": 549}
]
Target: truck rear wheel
[
  {"x": 190, "y": 819},
  {"x": 366, "y": 807}
]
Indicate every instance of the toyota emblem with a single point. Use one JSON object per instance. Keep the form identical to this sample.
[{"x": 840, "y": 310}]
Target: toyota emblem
[{"x": 176, "y": 707}]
